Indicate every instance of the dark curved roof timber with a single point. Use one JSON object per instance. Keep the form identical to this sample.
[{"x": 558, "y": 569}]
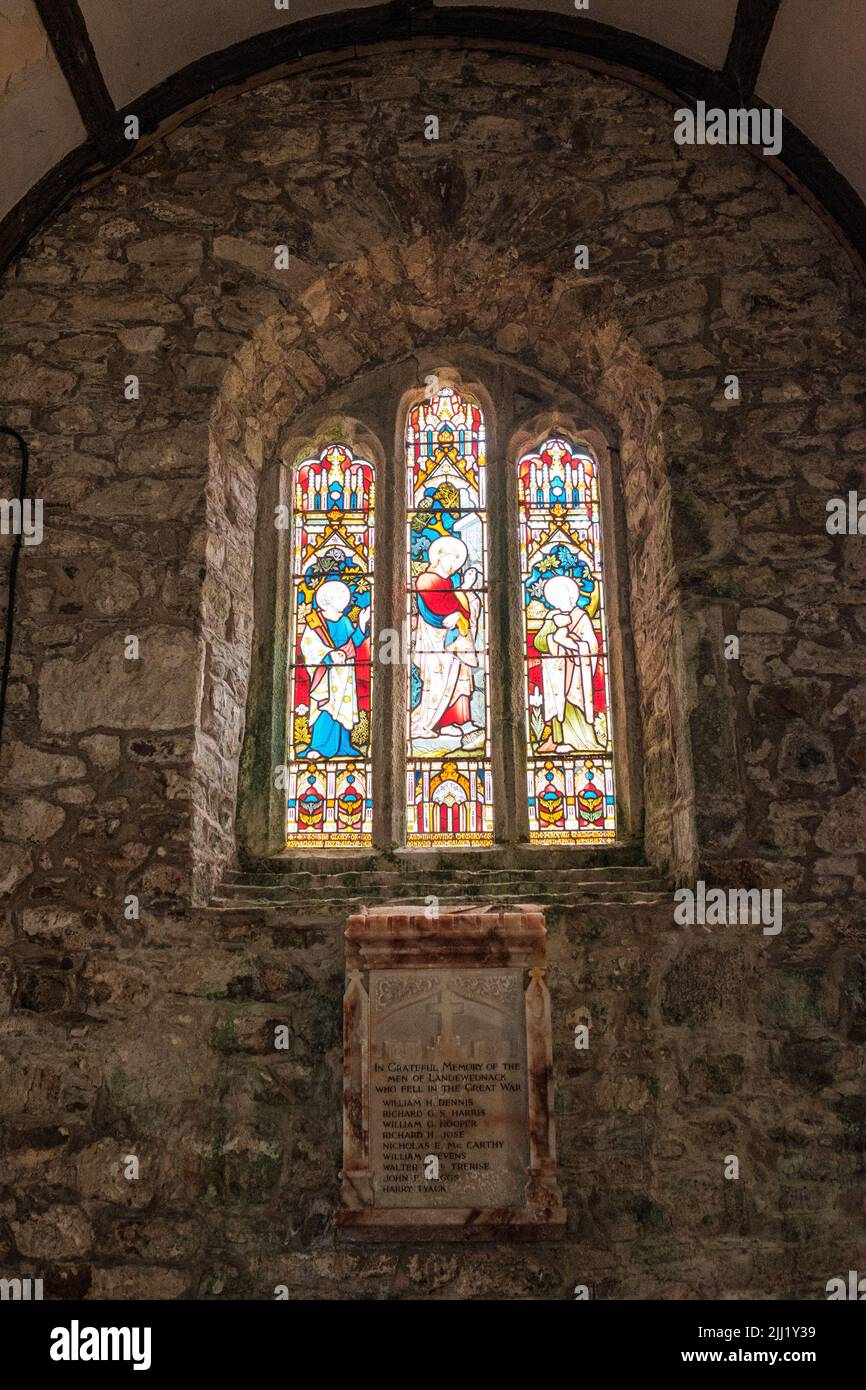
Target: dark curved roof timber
[{"x": 316, "y": 41}]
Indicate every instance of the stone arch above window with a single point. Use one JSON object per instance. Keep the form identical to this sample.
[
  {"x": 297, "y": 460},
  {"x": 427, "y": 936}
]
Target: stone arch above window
[{"x": 257, "y": 434}]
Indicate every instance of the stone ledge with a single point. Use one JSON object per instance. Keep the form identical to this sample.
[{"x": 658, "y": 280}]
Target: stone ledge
[{"x": 466, "y": 1225}]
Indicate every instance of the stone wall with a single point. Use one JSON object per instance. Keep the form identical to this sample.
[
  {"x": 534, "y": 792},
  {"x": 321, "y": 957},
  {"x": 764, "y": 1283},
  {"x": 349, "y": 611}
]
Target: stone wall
[{"x": 149, "y": 1035}]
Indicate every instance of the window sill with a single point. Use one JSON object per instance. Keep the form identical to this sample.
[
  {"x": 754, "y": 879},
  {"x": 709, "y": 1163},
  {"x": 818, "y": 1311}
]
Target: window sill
[
  {"x": 502, "y": 856},
  {"x": 326, "y": 889}
]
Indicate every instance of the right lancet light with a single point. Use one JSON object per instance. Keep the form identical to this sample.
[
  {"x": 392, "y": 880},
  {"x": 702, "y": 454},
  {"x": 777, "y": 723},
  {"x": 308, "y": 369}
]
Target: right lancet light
[{"x": 569, "y": 736}]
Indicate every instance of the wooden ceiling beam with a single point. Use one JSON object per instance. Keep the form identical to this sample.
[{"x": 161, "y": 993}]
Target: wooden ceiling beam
[
  {"x": 753, "y": 26},
  {"x": 277, "y": 52},
  {"x": 67, "y": 33}
]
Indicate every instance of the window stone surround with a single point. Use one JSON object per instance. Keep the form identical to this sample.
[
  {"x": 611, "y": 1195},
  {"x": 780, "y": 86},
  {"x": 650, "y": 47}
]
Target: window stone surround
[{"x": 521, "y": 410}]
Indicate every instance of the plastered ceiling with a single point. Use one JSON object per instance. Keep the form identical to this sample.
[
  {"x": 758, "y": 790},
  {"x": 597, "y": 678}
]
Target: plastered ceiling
[{"x": 814, "y": 65}]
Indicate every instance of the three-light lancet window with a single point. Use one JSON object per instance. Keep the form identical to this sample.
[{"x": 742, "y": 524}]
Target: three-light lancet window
[{"x": 447, "y": 727}]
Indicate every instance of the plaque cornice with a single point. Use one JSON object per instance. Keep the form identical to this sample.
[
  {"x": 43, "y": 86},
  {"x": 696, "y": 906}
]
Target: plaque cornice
[{"x": 513, "y": 937}]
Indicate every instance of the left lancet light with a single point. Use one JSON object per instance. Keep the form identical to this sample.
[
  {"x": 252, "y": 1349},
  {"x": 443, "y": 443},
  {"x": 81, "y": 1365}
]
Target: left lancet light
[{"x": 330, "y": 794}]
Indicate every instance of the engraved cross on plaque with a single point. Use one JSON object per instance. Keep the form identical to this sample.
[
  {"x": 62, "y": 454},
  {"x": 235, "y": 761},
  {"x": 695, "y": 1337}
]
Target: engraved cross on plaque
[{"x": 446, "y": 1016}]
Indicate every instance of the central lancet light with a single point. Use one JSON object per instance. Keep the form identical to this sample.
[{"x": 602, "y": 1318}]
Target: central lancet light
[{"x": 449, "y": 790}]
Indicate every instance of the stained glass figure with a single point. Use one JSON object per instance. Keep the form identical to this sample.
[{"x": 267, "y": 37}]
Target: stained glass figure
[
  {"x": 570, "y": 767},
  {"x": 329, "y": 800},
  {"x": 449, "y": 794}
]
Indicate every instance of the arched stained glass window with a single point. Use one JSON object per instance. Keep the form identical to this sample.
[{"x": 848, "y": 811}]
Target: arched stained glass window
[
  {"x": 429, "y": 781},
  {"x": 448, "y": 783},
  {"x": 569, "y": 749},
  {"x": 330, "y": 800}
]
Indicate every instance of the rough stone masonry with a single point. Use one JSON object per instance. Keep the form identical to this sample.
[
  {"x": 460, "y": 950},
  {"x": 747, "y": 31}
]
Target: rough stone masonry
[{"x": 153, "y": 1036}]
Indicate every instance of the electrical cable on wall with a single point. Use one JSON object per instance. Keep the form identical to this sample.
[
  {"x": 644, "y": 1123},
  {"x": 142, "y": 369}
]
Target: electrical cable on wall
[{"x": 13, "y": 571}]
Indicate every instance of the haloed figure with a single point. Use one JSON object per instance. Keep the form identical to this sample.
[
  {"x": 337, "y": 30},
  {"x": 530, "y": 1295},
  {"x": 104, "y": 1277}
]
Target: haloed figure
[
  {"x": 568, "y": 644},
  {"x": 445, "y": 635},
  {"x": 328, "y": 644}
]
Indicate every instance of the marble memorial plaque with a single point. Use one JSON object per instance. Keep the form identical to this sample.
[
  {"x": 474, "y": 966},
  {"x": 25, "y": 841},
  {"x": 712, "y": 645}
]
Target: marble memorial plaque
[{"x": 448, "y": 1090}]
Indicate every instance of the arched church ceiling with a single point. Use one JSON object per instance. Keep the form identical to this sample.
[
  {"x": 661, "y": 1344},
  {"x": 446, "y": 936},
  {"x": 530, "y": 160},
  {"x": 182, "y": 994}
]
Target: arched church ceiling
[{"x": 71, "y": 70}]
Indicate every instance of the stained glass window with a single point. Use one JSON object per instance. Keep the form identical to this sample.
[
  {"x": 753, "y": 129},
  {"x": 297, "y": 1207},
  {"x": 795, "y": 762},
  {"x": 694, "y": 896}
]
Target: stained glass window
[
  {"x": 569, "y": 749},
  {"x": 448, "y": 779},
  {"x": 330, "y": 802}
]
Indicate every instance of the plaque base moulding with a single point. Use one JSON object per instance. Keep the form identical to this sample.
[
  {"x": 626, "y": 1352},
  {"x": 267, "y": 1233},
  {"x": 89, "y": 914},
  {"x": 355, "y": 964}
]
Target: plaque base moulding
[{"x": 448, "y": 1122}]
